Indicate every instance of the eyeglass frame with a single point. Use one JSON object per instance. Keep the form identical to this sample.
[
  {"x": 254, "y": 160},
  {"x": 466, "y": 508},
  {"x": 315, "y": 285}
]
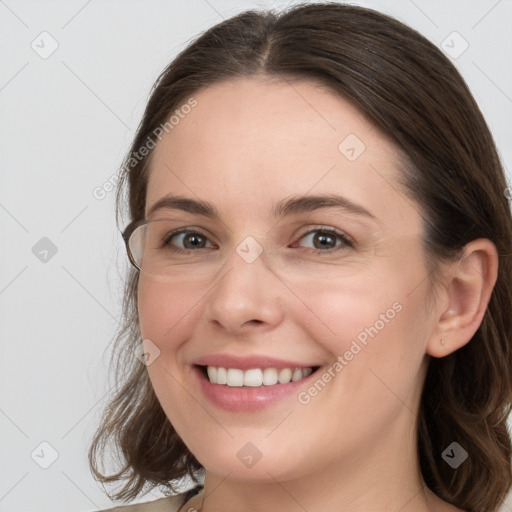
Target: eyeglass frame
[{"x": 127, "y": 233}]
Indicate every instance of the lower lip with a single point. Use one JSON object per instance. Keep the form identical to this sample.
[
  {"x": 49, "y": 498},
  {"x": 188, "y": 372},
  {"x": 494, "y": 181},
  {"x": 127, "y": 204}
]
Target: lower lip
[{"x": 246, "y": 399}]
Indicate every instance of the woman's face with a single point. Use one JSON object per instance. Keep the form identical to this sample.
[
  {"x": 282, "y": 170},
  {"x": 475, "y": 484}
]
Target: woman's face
[{"x": 271, "y": 282}]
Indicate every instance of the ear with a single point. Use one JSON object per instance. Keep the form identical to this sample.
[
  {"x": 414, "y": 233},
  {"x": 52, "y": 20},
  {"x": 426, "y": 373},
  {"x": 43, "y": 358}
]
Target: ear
[{"x": 464, "y": 297}]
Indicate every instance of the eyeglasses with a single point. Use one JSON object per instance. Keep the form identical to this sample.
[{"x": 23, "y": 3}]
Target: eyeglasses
[
  {"x": 132, "y": 236},
  {"x": 149, "y": 248}
]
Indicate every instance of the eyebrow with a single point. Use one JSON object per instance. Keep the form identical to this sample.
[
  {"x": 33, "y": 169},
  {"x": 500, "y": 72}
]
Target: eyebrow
[{"x": 285, "y": 207}]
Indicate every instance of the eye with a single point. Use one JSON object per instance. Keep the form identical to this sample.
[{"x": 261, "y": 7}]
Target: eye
[
  {"x": 321, "y": 240},
  {"x": 326, "y": 240},
  {"x": 187, "y": 240}
]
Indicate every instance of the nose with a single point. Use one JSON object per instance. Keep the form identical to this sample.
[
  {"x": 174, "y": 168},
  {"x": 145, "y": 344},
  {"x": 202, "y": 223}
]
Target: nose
[{"x": 247, "y": 297}]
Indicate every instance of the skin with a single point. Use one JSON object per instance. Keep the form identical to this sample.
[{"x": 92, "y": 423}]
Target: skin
[{"x": 248, "y": 144}]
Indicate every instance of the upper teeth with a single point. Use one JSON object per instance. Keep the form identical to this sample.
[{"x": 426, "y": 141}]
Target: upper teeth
[{"x": 255, "y": 377}]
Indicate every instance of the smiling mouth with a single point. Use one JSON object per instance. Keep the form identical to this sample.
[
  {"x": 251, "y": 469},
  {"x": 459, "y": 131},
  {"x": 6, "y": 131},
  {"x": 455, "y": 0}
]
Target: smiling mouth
[{"x": 254, "y": 377}]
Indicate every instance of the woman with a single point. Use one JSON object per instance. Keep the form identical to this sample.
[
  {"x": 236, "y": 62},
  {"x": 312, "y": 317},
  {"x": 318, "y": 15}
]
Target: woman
[{"x": 321, "y": 285}]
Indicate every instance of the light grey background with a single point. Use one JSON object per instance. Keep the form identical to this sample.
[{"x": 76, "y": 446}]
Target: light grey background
[{"x": 66, "y": 122}]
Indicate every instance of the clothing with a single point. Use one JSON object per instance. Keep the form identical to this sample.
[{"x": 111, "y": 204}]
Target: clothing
[{"x": 169, "y": 504}]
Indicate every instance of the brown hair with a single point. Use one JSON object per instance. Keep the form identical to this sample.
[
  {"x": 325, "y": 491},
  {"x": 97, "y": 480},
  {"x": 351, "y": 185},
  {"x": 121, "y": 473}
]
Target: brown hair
[{"x": 412, "y": 92}]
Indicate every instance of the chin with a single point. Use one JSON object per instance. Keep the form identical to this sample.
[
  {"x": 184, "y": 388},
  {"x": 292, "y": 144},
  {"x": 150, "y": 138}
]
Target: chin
[{"x": 248, "y": 464}]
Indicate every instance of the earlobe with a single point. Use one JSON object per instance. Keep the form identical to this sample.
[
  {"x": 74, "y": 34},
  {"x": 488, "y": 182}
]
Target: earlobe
[{"x": 467, "y": 293}]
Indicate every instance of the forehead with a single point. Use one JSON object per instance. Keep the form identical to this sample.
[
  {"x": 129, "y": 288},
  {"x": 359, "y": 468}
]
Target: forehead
[
  {"x": 262, "y": 140},
  {"x": 264, "y": 117}
]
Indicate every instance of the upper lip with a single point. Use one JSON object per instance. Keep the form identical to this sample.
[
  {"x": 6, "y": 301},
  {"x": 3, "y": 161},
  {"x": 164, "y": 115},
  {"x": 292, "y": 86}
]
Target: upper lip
[{"x": 248, "y": 362}]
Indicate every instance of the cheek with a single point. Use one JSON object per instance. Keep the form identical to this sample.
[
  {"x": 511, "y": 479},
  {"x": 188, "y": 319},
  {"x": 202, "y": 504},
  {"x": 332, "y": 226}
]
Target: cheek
[
  {"x": 168, "y": 313},
  {"x": 375, "y": 315},
  {"x": 165, "y": 307},
  {"x": 377, "y": 343},
  {"x": 348, "y": 306},
  {"x": 166, "y": 317},
  {"x": 152, "y": 308}
]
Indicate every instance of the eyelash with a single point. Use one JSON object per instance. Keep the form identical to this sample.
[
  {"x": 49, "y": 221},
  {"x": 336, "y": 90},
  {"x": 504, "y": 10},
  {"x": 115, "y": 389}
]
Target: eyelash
[{"x": 347, "y": 241}]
